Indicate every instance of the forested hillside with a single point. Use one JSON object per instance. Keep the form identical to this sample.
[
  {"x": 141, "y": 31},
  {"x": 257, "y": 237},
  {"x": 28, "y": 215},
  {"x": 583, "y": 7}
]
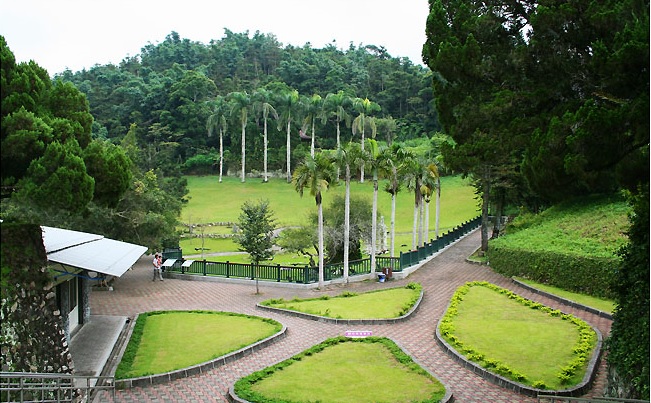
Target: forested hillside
[{"x": 171, "y": 89}]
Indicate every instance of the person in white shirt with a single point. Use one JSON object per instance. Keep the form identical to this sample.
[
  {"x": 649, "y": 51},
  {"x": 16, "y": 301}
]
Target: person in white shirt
[{"x": 158, "y": 262}]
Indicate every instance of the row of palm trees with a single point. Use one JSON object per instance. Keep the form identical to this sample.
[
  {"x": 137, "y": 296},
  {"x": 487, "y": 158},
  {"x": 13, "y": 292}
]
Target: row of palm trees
[
  {"x": 394, "y": 163},
  {"x": 287, "y": 107}
]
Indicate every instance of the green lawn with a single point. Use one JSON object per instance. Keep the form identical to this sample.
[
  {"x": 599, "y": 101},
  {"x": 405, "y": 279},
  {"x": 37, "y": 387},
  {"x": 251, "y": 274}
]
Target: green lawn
[
  {"x": 603, "y": 305},
  {"x": 171, "y": 340},
  {"x": 382, "y": 304},
  {"x": 344, "y": 370},
  {"x": 211, "y": 201},
  {"x": 517, "y": 338}
]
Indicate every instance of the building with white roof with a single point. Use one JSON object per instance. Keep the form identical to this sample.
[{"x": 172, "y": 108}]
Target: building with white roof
[{"x": 79, "y": 259}]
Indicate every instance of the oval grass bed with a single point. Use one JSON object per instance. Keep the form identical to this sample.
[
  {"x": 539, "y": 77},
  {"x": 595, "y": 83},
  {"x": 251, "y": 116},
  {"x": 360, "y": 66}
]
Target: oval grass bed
[
  {"x": 164, "y": 341},
  {"x": 368, "y": 370},
  {"x": 516, "y": 338},
  {"x": 380, "y": 304}
]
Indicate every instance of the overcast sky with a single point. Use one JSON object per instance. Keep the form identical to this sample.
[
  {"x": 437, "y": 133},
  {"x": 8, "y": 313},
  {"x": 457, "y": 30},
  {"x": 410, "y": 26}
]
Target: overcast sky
[{"x": 77, "y": 34}]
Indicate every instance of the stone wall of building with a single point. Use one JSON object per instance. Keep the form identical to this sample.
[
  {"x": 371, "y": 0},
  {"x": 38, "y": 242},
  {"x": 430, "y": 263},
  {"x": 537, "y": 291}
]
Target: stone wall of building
[{"x": 31, "y": 334}]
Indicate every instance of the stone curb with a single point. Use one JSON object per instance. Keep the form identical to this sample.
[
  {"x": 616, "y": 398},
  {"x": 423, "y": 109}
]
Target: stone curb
[
  {"x": 336, "y": 321},
  {"x": 199, "y": 368},
  {"x": 517, "y": 387}
]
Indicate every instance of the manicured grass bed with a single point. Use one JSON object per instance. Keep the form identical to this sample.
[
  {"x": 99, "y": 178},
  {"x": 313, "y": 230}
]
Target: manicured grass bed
[
  {"x": 518, "y": 338},
  {"x": 371, "y": 370},
  {"x": 381, "y": 304},
  {"x": 603, "y": 305},
  {"x": 164, "y": 341}
]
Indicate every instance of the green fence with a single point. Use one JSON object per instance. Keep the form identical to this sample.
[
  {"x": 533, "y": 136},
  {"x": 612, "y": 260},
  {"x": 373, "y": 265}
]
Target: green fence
[
  {"x": 307, "y": 274},
  {"x": 411, "y": 258}
]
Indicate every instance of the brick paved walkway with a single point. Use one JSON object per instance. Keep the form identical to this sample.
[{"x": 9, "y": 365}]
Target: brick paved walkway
[{"x": 135, "y": 293}]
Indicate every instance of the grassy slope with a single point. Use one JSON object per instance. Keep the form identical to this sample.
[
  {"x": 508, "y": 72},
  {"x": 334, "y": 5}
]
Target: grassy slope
[{"x": 592, "y": 226}]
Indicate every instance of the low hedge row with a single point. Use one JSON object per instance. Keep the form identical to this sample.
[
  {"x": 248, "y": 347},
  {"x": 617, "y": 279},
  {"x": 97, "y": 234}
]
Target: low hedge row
[
  {"x": 589, "y": 275},
  {"x": 582, "y": 349}
]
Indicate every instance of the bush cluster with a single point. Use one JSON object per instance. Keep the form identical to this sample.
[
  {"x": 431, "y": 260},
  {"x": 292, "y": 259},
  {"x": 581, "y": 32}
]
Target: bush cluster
[
  {"x": 571, "y": 245},
  {"x": 591, "y": 275}
]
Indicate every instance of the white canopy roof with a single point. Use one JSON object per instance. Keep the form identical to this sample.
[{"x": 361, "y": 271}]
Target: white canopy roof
[{"x": 90, "y": 251}]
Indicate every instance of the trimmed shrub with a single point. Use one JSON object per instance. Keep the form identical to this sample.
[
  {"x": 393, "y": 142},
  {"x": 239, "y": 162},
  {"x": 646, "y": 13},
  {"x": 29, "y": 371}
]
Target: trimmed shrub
[{"x": 578, "y": 273}]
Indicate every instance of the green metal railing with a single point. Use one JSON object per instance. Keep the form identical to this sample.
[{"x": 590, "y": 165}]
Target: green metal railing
[
  {"x": 51, "y": 388},
  {"x": 408, "y": 259},
  {"x": 307, "y": 274}
]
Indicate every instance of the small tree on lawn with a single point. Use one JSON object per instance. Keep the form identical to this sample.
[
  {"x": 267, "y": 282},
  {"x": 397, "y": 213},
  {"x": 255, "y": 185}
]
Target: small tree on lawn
[{"x": 255, "y": 236}]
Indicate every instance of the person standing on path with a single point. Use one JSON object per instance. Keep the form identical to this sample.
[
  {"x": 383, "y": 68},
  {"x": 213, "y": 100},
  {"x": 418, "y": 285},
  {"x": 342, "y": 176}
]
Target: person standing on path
[{"x": 158, "y": 262}]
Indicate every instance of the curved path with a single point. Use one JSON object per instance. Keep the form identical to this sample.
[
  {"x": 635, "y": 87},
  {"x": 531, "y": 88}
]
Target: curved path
[{"x": 135, "y": 293}]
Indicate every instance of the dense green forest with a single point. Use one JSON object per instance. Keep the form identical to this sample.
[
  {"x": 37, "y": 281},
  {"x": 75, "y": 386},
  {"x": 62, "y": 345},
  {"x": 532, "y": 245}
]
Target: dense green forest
[
  {"x": 171, "y": 89},
  {"x": 546, "y": 100}
]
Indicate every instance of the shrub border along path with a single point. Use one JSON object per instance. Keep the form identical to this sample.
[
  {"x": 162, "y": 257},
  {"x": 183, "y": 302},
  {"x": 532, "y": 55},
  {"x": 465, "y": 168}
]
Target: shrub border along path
[
  {"x": 575, "y": 391},
  {"x": 134, "y": 292}
]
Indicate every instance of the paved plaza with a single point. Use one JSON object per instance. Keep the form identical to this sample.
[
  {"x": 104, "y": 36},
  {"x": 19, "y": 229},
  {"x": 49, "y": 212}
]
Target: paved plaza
[{"x": 134, "y": 292}]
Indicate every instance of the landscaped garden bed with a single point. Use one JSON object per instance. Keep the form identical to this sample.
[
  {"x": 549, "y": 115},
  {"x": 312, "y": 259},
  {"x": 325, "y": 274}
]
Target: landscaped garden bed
[
  {"x": 167, "y": 341},
  {"x": 383, "y": 304},
  {"x": 529, "y": 344},
  {"x": 364, "y": 370}
]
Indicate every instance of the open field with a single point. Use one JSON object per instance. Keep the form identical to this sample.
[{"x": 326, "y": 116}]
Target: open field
[{"x": 211, "y": 201}]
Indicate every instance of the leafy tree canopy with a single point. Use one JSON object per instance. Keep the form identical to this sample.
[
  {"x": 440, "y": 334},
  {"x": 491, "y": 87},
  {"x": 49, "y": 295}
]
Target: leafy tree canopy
[{"x": 255, "y": 230}]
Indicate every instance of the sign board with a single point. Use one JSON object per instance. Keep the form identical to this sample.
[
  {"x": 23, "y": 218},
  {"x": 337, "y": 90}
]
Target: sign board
[{"x": 358, "y": 333}]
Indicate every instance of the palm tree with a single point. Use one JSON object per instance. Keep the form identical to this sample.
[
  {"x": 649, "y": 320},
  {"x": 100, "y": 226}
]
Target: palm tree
[
  {"x": 391, "y": 159},
  {"x": 431, "y": 183},
  {"x": 345, "y": 157},
  {"x": 315, "y": 173},
  {"x": 240, "y": 102},
  {"x": 373, "y": 162},
  {"x": 262, "y": 106},
  {"x": 336, "y": 105},
  {"x": 217, "y": 120},
  {"x": 287, "y": 102},
  {"x": 412, "y": 175},
  {"x": 313, "y": 107},
  {"x": 364, "y": 107}
]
